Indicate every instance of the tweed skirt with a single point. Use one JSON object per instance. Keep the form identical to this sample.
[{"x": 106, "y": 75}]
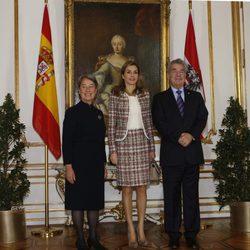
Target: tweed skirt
[{"x": 133, "y": 159}]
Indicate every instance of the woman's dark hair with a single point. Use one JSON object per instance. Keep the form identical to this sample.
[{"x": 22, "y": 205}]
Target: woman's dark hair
[
  {"x": 87, "y": 76},
  {"x": 117, "y": 90}
]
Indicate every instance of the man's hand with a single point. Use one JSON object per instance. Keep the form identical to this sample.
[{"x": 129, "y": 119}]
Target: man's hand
[{"x": 185, "y": 139}]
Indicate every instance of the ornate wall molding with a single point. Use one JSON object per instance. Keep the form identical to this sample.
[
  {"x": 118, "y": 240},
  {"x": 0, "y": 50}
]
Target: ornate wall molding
[
  {"x": 237, "y": 50},
  {"x": 211, "y": 67},
  {"x": 16, "y": 38}
]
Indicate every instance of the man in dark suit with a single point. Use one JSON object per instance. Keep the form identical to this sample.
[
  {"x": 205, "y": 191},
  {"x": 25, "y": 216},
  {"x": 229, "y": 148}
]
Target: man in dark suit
[{"x": 180, "y": 116}]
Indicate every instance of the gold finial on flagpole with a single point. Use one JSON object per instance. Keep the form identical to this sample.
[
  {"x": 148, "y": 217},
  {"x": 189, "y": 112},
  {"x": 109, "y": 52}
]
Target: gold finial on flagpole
[{"x": 190, "y": 4}]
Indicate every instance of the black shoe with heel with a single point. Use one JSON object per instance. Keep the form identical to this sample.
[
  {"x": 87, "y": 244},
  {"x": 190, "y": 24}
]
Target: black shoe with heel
[
  {"x": 81, "y": 245},
  {"x": 191, "y": 243},
  {"x": 95, "y": 244},
  {"x": 174, "y": 243}
]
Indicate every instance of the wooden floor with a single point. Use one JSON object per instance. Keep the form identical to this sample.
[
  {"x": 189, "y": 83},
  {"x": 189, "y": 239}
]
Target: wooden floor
[{"x": 217, "y": 235}]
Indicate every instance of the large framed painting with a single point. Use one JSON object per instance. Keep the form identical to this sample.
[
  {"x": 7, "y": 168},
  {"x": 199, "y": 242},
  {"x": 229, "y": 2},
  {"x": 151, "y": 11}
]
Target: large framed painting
[{"x": 95, "y": 28}]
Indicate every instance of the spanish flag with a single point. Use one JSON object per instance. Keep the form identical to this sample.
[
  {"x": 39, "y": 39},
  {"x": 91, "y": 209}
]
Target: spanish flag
[{"x": 45, "y": 111}]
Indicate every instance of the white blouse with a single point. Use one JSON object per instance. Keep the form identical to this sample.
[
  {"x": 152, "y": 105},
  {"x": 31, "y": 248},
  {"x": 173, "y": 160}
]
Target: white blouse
[{"x": 134, "y": 117}]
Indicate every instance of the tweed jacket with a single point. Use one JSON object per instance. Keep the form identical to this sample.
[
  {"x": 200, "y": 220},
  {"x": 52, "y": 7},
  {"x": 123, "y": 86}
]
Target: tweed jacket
[{"x": 118, "y": 119}]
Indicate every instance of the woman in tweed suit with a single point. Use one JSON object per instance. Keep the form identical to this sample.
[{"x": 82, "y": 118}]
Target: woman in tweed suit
[{"x": 131, "y": 145}]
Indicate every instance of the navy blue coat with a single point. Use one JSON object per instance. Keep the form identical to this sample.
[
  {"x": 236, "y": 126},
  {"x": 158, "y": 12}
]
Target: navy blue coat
[{"x": 84, "y": 148}]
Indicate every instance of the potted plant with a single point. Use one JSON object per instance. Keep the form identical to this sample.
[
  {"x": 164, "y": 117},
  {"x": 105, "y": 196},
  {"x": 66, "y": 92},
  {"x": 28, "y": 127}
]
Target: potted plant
[
  {"x": 232, "y": 166},
  {"x": 14, "y": 183}
]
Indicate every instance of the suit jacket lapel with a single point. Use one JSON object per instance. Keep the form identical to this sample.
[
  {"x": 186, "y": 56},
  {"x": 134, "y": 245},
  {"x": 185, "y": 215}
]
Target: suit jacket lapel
[
  {"x": 171, "y": 97},
  {"x": 187, "y": 102}
]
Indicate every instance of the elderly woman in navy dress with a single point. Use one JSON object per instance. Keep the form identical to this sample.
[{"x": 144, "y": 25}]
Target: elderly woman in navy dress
[
  {"x": 131, "y": 145},
  {"x": 84, "y": 157}
]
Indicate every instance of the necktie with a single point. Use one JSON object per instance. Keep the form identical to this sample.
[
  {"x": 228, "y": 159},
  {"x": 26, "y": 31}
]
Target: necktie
[{"x": 180, "y": 102}]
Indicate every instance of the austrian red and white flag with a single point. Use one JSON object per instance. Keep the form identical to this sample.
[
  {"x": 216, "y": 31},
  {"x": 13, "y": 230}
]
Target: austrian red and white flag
[{"x": 194, "y": 77}]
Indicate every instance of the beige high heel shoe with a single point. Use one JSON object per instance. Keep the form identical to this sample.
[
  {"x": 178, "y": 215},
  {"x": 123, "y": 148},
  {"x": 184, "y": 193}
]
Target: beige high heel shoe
[
  {"x": 132, "y": 244},
  {"x": 142, "y": 243}
]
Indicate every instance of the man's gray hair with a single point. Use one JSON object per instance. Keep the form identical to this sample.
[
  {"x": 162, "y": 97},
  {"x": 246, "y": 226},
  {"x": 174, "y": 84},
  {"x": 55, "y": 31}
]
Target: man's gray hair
[{"x": 178, "y": 61}]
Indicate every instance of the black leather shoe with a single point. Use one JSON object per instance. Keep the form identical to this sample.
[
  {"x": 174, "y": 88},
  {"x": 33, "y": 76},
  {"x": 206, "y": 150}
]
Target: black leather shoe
[
  {"x": 191, "y": 243},
  {"x": 94, "y": 243},
  {"x": 174, "y": 244},
  {"x": 81, "y": 245}
]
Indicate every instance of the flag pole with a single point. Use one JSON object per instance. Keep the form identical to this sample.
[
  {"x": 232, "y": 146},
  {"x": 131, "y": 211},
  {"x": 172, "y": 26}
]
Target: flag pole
[
  {"x": 46, "y": 189},
  {"x": 47, "y": 231},
  {"x": 203, "y": 225}
]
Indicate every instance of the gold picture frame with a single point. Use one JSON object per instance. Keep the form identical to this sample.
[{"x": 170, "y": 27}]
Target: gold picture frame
[{"x": 89, "y": 25}]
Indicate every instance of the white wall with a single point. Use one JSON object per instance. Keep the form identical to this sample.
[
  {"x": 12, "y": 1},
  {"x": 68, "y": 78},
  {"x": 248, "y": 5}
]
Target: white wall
[
  {"x": 6, "y": 48},
  {"x": 30, "y": 21}
]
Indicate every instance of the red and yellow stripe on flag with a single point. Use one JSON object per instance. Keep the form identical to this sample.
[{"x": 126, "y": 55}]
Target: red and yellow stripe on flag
[{"x": 45, "y": 111}]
